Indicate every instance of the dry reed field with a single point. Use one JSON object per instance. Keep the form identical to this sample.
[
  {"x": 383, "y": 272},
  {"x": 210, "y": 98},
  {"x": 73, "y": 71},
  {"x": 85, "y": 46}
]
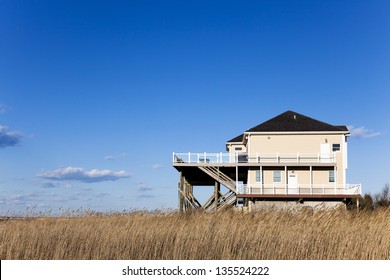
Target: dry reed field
[{"x": 223, "y": 235}]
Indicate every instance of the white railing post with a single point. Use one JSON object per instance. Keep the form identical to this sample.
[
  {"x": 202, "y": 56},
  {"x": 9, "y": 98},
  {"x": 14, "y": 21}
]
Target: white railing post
[
  {"x": 297, "y": 157},
  {"x": 173, "y": 157},
  {"x": 318, "y": 157},
  {"x": 189, "y": 157}
]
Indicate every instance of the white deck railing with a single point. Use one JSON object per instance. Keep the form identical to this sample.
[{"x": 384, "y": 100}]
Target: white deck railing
[
  {"x": 315, "y": 189},
  {"x": 253, "y": 158}
]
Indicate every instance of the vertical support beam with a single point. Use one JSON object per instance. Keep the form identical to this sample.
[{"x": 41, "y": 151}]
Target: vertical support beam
[
  {"x": 311, "y": 179},
  {"x": 184, "y": 189},
  {"x": 286, "y": 179},
  {"x": 236, "y": 178},
  {"x": 335, "y": 180},
  {"x": 357, "y": 205},
  {"x": 181, "y": 198},
  {"x": 261, "y": 179},
  {"x": 186, "y": 204},
  {"x": 217, "y": 188}
]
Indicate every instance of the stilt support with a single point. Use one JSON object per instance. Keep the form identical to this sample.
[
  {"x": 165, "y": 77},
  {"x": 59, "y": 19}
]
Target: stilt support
[{"x": 217, "y": 189}]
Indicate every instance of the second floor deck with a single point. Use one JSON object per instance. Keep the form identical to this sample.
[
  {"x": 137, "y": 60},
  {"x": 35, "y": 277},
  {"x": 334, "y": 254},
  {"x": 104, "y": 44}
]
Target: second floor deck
[{"x": 252, "y": 158}]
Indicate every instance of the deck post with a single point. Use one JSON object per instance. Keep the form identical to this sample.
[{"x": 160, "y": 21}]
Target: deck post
[
  {"x": 335, "y": 180},
  {"x": 236, "y": 177},
  {"x": 181, "y": 198},
  {"x": 217, "y": 189},
  {"x": 311, "y": 179},
  {"x": 286, "y": 178},
  {"x": 261, "y": 179},
  {"x": 185, "y": 186}
]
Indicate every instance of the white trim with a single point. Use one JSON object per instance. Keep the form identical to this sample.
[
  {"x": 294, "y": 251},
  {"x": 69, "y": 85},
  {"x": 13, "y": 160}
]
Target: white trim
[
  {"x": 311, "y": 178},
  {"x": 295, "y": 132},
  {"x": 317, "y": 189}
]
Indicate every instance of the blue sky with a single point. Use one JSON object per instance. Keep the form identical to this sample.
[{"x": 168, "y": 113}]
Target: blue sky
[{"x": 96, "y": 95}]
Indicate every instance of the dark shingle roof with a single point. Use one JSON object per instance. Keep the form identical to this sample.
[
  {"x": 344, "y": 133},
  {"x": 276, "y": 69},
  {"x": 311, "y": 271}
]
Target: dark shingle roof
[
  {"x": 292, "y": 121},
  {"x": 236, "y": 139}
]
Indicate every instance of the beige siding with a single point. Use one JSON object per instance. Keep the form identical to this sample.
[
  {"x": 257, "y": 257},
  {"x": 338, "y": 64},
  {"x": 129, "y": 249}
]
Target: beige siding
[
  {"x": 302, "y": 144},
  {"x": 291, "y": 143},
  {"x": 303, "y": 177},
  {"x": 233, "y": 148}
]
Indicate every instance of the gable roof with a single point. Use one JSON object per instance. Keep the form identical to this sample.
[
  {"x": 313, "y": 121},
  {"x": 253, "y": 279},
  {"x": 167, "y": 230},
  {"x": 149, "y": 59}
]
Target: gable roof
[
  {"x": 292, "y": 121},
  {"x": 237, "y": 139}
]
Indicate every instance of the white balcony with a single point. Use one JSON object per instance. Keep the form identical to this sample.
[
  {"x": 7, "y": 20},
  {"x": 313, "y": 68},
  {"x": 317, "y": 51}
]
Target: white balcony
[
  {"x": 219, "y": 158},
  {"x": 315, "y": 189}
]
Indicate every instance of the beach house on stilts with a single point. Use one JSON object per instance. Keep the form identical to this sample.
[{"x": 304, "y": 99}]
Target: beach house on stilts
[{"x": 290, "y": 161}]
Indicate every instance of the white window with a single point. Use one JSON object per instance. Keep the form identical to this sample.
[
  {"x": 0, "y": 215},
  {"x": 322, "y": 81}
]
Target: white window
[
  {"x": 332, "y": 177},
  {"x": 258, "y": 176},
  {"x": 277, "y": 176},
  {"x": 335, "y": 147}
]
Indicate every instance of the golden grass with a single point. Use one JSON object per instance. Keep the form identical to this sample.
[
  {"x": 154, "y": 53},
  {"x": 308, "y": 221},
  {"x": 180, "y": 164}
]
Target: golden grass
[{"x": 224, "y": 235}]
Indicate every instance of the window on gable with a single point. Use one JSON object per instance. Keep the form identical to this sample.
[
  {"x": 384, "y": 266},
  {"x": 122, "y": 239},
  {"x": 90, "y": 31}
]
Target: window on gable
[
  {"x": 332, "y": 177},
  {"x": 238, "y": 148},
  {"x": 336, "y": 147},
  {"x": 258, "y": 176},
  {"x": 277, "y": 176}
]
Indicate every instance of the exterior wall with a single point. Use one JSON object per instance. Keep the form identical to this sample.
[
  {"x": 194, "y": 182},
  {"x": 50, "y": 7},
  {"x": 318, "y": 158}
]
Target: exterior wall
[
  {"x": 303, "y": 144},
  {"x": 232, "y": 148},
  {"x": 320, "y": 181},
  {"x": 287, "y": 143},
  {"x": 303, "y": 176}
]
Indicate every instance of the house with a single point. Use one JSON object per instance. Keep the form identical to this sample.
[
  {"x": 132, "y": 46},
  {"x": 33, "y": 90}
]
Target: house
[{"x": 289, "y": 161}]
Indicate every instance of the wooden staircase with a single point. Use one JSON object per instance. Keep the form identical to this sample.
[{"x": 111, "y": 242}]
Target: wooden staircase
[{"x": 219, "y": 176}]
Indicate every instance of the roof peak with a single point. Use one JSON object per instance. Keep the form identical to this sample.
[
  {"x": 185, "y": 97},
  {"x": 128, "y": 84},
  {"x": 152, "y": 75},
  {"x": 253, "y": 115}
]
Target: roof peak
[{"x": 291, "y": 121}]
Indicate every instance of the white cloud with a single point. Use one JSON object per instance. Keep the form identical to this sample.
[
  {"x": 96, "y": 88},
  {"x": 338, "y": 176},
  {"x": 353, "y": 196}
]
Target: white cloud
[
  {"x": 362, "y": 132},
  {"x": 9, "y": 138},
  {"x": 144, "y": 188},
  {"x": 81, "y": 175},
  {"x": 157, "y": 166},
  {"x": 115, "y": 157},
  {"x": 109, "y": 157},
  {"x": 51, "y": 185}
]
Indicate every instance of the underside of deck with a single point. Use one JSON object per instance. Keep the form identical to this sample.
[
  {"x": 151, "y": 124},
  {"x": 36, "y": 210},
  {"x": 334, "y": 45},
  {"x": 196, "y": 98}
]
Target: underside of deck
[{"x": 228, "y": 175}]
